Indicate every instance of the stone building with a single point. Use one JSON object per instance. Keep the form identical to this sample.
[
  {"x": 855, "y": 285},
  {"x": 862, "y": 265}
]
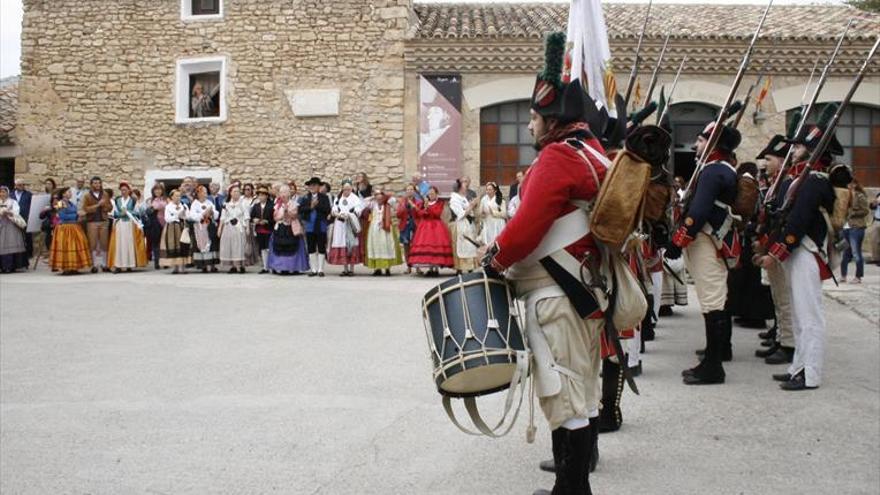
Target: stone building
[{"x": 295, "y": 88}]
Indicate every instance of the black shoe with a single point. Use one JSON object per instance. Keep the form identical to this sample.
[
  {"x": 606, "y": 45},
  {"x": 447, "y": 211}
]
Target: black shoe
[
  {"x": 320, "y": 274},
  {"x": 665, "y": 310},
  {"x": 94, "y": 269},
  {"x": 313, "y": 274},
  {"x": 692, "y": 371},
  {"x": 264, "y": 271},
  {"x": 782, "y": 377},
  {"x": 783, "y": 355},
  {"x": 117, "y": 271},
  {"x": 241, "y": 269},
  {"x": 213, "y": 269},
  {"x": 797, "y": 382},
  {"x": 233, "y": 270},
  {"x": 710, "y": 371},
  {"x": 768, "y": 334},
  {"x": 636, "y": 370},
  {"x": 704, "y": 378},
  {"x": 387, "y": 273},
  {"x": 768, "y": 343},
  {"x": 377, "y": 273},
  {"x": 763, "y": 353}
]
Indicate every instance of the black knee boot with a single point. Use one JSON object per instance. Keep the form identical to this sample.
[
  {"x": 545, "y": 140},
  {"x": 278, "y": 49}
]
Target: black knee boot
[
  {"x": 710, "y": 370},
  {"x": 610, "y": 416},
  {"x": 573, "y": 473}
]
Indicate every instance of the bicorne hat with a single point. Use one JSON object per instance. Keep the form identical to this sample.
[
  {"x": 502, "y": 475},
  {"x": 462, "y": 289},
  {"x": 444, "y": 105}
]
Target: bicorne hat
[
  {"x": 778, "y": 146},
  {"x": 811, "y": 134},
  {"x": 729, "y": 139},
  {"x": 552, "y": 98}
]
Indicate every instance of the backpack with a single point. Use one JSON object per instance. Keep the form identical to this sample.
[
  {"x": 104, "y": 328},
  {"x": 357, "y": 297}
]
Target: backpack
[{"x": 747, "y": 195}]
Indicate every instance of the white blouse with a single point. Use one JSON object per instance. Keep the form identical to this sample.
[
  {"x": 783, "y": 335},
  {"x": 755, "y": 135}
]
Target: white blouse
[
  {"x": 197, "y": 210},
  {"x": 174, "y": 214},
  {"x": 234, "y": 210}
]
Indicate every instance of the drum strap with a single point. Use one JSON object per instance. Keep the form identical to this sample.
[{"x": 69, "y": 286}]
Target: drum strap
[{"x": 470, "y": 403}]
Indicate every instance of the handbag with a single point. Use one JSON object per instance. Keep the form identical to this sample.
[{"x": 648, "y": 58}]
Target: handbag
[{"x": 184, "y": 236}]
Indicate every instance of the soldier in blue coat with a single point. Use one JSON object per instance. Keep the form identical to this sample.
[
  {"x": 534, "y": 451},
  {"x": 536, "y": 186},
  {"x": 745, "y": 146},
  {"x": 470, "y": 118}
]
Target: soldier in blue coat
[
  {"x": 708, "y": 240},
  {"x": 801, "y": 246}
]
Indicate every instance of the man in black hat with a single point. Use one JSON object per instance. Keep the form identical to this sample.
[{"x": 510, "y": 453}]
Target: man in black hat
[
  {"x": 801, "y": 246},
  {"x": 707, "y": 237},
  {"x": 781, "y": 351},
  {"x": 314, "y": 209},
  {"x": 559, "y": 187}
]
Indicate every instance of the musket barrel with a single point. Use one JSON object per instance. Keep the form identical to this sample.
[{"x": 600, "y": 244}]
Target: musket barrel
[
  {"x": 635, "y": 68},
  {"x": 656, "y": 73}
]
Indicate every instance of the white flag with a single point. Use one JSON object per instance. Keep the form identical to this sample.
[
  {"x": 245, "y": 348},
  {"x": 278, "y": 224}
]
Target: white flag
[{"x": 588, "y": 56}]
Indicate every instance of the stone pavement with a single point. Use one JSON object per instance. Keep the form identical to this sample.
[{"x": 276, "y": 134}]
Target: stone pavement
[{"x": 239, "y": 384}]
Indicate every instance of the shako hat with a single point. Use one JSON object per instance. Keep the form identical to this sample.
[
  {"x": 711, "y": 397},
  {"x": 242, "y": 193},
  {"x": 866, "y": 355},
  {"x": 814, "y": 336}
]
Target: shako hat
[
  {"x": 727, "y": 141},
  {"x": 778, "y": 146},
  {"x": 551, "y": 98}
]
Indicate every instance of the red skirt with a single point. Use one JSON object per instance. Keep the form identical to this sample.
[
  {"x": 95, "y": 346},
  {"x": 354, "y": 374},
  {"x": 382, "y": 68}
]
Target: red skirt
[{"x": 431, "y": 246}]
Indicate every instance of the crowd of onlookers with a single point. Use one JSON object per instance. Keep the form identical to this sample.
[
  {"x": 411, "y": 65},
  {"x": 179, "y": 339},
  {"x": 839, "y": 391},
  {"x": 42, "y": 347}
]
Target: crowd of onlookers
[{"x": 278, "y": 228}]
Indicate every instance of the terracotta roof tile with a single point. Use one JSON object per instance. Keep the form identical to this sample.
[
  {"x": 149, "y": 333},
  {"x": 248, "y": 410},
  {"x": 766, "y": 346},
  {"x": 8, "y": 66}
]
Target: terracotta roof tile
[{"x": 524, "y": 21}]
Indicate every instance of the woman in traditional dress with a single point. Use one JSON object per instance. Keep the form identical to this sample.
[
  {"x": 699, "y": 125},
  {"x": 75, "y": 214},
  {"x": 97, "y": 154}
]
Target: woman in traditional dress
[
  {"x": 234, "y": 230},
  {"x": 155, "y": 221},
  {"x": 431, "y": 246},
  {"x": 128, "y": 247},
  {"x": 174, "y": 245},
  {"x": 49, "y": 217},
  {"x": 462, "y": 228},
  {"x": 406, "y": 217},
  {"x": 383, "y": 246},
  {"x": 287, "y": 246},
  {"x": 251, "y": 250},
  {"x": 345, "y": 247},
  {"x": 493, "y": 212},
  {"x": 263, "y": 222},
  {"x": 13, "y": 254},
  {"x": 362, "y": 186},
  {"x": 204, "y": 216},
  {"x": 69, "y": 252}
]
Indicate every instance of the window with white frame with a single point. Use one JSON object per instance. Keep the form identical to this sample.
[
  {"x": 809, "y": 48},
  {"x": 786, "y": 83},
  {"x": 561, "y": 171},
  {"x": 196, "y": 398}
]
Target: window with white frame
[
  {"x": 201, "y": 10},
  {"x": 201, "y": 90}
]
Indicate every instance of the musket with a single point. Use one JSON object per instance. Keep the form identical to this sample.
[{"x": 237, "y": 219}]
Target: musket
[
  {"x": 786, "y": 162},
  {"x": 635, "y": 69},
  {"x": 829, "y": 132},
  {"x": 716, "y": 130},
  {"x": 672, "y": 91},
  {"x": 656, "y": 73}
]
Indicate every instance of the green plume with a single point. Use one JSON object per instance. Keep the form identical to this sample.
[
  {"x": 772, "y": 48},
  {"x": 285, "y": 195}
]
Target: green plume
[
  {"x": 661, "y": 106},
  {"x": 827, "y": 114},
  {"x": 553, "y": 58}
]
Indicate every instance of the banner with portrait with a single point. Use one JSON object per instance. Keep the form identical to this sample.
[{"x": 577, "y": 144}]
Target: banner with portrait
[{"x": 440, "y": 130}]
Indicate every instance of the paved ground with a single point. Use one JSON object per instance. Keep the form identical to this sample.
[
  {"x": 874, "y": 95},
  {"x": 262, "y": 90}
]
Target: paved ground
[{"x": 152, "y": 384}]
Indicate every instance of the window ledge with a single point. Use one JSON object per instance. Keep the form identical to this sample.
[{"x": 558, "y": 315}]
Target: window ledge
[
  {"x": 201, "y": 18},
  {"x": 200, "y": 122}
]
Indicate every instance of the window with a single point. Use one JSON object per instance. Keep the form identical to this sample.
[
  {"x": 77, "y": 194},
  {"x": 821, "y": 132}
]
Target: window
[
  {"x": 859, "y": 133},
  {"x": 506, "y": 145},
  {"x": 201, "y": 90},
  {"x": 687, "y": 121},
  {"x": 201, "y": 10}
]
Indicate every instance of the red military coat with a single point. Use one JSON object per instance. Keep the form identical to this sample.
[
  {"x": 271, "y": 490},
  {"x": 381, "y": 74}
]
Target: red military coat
[{"x": 558, "y": 176}]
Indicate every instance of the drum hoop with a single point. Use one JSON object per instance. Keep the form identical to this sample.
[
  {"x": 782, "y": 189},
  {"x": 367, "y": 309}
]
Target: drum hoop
[
  {"x": 462, "y": 358},
  {"x": 442, "y": 292}
]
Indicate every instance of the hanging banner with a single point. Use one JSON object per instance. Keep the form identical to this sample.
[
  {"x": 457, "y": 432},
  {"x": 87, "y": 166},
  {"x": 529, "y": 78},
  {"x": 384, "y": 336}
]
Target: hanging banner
[{"x": 440, "y": 130}]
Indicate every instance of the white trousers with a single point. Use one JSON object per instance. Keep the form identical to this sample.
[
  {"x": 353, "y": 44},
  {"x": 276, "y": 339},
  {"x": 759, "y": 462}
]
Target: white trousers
[
  {"x": 657, "y": 290},
  {"x": 807, "y": 315}
]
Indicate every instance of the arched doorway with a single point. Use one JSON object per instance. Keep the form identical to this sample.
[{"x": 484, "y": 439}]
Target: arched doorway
[{"x": 687, "y": 120}]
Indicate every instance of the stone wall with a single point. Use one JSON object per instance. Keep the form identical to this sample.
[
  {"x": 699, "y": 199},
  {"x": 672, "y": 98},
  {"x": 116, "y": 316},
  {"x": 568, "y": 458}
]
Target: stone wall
[{"x": 98, "y": 79}]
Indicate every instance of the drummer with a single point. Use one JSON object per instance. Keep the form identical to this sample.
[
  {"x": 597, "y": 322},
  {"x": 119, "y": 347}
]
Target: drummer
[{"x": 567, "y": 378}]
